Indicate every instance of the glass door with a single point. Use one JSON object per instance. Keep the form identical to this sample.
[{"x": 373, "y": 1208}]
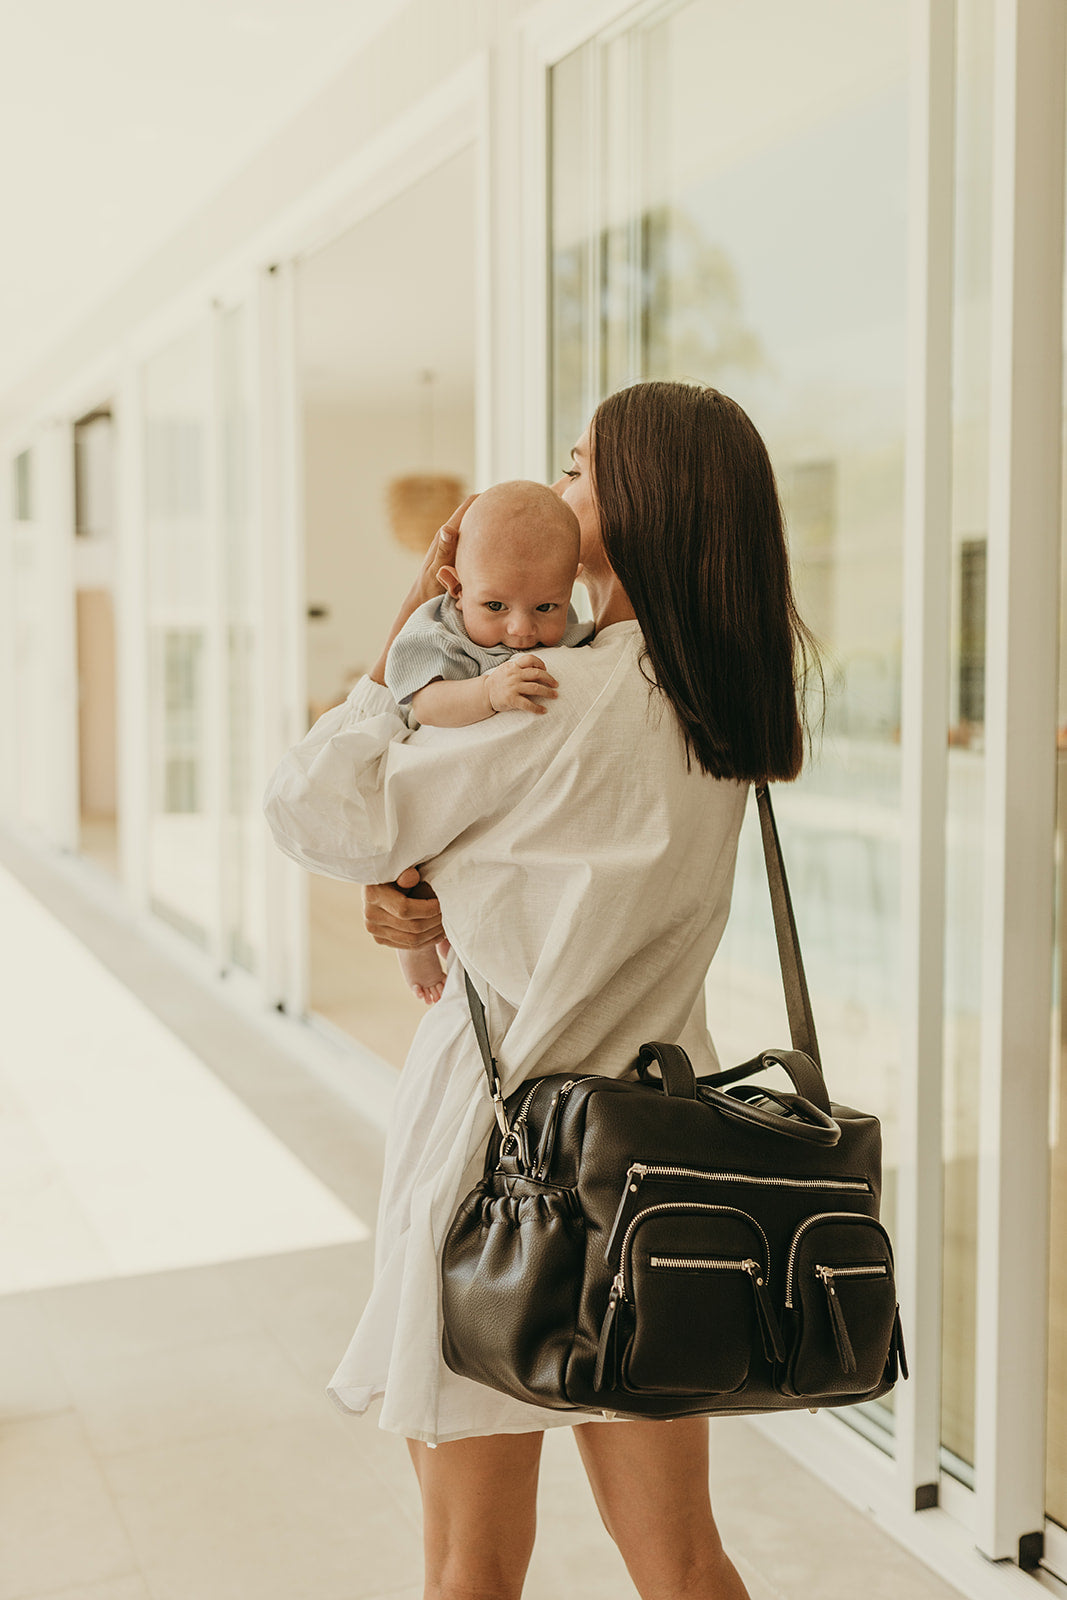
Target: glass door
[{"x": 728, "y": 206}]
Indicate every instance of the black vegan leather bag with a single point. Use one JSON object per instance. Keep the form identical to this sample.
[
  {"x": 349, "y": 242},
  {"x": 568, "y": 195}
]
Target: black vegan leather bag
[{"x": 673, "y": 1246}]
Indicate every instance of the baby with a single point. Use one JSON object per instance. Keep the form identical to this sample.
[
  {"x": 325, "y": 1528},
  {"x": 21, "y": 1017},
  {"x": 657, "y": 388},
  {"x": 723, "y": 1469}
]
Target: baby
[{"x": 464, "y": 657}]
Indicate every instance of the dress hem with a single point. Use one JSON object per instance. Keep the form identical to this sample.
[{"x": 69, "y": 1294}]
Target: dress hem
[{"x": 359, "y": 1401}]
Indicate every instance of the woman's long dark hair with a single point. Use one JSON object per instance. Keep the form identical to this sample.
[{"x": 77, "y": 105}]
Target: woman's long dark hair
[{"x": 692, "y": 525}]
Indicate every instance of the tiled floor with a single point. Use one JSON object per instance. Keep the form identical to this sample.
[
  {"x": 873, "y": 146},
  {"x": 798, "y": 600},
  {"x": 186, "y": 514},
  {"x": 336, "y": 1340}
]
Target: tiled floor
[{"x": 176, "y": 1305}]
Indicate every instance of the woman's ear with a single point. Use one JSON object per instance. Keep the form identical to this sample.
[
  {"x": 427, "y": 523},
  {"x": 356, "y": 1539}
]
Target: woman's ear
[{"x": 449, "y": 577}]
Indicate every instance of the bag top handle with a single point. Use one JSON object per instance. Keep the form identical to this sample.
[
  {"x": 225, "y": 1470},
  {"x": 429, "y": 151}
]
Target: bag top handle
[{"x": 797, "y": 1000}]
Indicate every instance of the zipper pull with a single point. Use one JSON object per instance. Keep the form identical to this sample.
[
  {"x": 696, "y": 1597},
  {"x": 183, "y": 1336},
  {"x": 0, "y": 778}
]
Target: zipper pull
[
  {"x": 897, "y": 1356},
  {"x": 770, "y": 1332},
  {"x": 605, "y": 1374},
  {"x": 515, "y": 1149},
  {"x": 548, "y": 1132},
  {"x": 636, "y": 1176},
  {"x": 846, "y": 1354}
]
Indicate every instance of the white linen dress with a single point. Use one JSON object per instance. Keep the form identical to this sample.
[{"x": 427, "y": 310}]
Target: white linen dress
[{"x": 584, "y": 876}]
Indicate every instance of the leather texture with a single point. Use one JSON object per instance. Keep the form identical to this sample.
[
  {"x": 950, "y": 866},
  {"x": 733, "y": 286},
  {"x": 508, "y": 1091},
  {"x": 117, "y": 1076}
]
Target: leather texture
[{"x": 662, "y": 1245}]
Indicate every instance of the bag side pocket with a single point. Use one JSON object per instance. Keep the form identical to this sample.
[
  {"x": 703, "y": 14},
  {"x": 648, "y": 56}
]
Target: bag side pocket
[{"x": 513, "y": 1262}]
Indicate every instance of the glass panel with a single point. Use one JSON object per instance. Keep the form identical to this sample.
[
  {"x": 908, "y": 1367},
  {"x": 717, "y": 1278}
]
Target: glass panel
[
  {"x": 244, "y": 909},
  {"x": 767, "y": 157},
  {"x": 966, "y": 758},
  {"x": 181, "y": 858}
]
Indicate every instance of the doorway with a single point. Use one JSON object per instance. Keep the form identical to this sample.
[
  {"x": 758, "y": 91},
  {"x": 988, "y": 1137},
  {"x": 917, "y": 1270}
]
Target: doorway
[
  {"x": 94, "y": 587},
  {"x": 385, "y": 364}
]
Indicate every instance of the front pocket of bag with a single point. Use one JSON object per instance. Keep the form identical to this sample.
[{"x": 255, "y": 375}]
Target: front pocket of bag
[
  {"x": 693, "y": 1286},
  {"x": 841, "y": 1301}
]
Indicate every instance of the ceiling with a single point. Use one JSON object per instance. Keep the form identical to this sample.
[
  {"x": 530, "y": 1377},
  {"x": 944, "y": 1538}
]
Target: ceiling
[{"x": 119, "y": 119}]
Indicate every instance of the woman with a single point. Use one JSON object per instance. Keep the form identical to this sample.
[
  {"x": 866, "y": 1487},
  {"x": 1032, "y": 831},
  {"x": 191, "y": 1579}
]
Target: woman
[{"x": 583, "y": 863}]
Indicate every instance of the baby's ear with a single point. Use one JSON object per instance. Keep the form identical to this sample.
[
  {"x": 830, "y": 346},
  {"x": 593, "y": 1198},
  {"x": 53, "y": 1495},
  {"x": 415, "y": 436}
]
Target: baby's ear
[{"x": 449, "y": 577}]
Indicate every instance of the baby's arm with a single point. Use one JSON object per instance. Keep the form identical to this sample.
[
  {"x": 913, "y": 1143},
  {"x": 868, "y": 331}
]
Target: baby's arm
[{"x": 518, "y": 684}]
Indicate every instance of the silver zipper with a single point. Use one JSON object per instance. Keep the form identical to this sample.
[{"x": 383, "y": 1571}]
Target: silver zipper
[
  {"x": 874, "y": 1269},
  {"x": 687, "y": 1205},
  {"x": 527, "y": 1102},
  {"x": 820, "y": 1216},
  {"x": 748, "y": 1265},
  {"x": 847, "y": 1185}
]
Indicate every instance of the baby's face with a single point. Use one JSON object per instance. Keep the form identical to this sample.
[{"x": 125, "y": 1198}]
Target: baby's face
[{"x": 520, "y": 603}]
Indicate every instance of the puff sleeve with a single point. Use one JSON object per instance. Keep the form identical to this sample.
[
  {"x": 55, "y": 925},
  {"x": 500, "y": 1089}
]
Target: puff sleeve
[{"x": 363, "y": 795}]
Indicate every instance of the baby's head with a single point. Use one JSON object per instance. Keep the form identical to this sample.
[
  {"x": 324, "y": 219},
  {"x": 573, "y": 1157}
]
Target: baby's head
[{"x": 516, "y": 562}]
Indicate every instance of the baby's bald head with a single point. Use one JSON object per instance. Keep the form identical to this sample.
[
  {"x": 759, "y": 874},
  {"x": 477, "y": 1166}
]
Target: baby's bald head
[
  {"x": 516, "y": 562},
  {"x": 526, "y": 518}
]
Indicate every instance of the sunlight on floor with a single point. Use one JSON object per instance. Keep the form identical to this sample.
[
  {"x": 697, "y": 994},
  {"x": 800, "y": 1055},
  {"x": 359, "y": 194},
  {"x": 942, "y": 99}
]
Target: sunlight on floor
[{"x": 120, "y": 1152}]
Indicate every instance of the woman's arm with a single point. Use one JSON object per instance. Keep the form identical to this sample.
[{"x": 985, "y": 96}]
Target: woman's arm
[{"x": 363, "y": 796}]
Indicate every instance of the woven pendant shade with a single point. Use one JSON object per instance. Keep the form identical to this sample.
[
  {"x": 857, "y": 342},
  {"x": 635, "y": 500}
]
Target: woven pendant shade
[{"x": 419, "y": 504}]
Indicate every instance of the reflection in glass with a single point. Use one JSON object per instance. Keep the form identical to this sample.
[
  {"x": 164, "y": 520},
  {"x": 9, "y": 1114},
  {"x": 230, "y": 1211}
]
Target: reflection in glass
[
  {"x": 764, "y": 157},
  {"x": 181, "y": 858}
]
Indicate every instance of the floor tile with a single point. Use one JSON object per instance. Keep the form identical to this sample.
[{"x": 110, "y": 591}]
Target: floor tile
[
  {"x": 190, "y": 1391},
  {"x": 31, "y": 1383},
  {"x": 574, "y": 1557},
  {"x": 131, "y": 1588},
  {"x": 291, "y": 1512},
  {"x": 130, "y": 1317},
  {"x": 310, "y": 1301},
  {"x": 60, "y": 1527},
  {"x": 800, "y": 1536}
]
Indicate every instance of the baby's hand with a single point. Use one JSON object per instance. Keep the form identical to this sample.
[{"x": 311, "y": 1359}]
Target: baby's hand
[{"x": 519, "y": 684}]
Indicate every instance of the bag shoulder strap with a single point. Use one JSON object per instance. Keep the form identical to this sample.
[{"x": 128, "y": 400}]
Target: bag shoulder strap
[
  {"x": 481, "y": 1033},
  {"x": 797, "y": 1000}
]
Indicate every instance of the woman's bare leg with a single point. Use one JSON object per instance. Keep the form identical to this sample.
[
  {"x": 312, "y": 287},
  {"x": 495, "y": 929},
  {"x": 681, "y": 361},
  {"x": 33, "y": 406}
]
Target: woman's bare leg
[
  {"x": 479, "y": 1513},
  {"x": 650, "y": 1482}
]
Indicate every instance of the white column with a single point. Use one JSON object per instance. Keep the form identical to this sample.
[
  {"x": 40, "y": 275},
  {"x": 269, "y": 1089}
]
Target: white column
[
  {"x": 1022, "y": 628},
  {"x": 927, "y": 563},
  {"x": 278, "y": 457}
]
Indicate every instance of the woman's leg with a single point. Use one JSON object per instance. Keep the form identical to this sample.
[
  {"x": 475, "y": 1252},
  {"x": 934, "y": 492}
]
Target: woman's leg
[
  {"x": 479, "y": 1511},
  {"x": 650, "y": 1481}
]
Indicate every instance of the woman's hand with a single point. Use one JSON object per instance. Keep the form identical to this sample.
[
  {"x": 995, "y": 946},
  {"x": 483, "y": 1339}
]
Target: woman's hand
[
  {"x": 394, "y": 919},
  {"x": 442, "y": 553}
]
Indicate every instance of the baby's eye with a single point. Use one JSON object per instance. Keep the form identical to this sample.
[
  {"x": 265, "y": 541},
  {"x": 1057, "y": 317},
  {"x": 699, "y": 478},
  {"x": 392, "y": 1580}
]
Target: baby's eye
[
  {"x": 549, "y": 605},
  {"x": 494, "y": 605}
]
